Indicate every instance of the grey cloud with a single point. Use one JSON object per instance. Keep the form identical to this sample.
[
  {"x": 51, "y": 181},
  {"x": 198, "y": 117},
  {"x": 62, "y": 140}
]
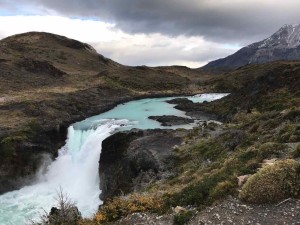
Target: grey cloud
[
  {"x": 231, "y": 21},
  {"x": 160, "y": 55}
]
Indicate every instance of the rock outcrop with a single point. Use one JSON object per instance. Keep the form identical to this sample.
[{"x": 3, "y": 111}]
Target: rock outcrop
[
  {"x": 132, "y": 160},
  {"x": 26, "y": 153},
  {"x": 169, "y": 120},
  {"x": 194, "y": 110}
]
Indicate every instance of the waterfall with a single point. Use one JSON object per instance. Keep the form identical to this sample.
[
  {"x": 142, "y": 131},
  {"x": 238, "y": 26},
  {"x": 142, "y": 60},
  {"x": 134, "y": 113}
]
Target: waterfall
[{"x": 75, "y": 170}]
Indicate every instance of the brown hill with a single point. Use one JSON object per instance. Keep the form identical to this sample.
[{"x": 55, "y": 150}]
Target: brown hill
[{"x": 41, "y": 66}]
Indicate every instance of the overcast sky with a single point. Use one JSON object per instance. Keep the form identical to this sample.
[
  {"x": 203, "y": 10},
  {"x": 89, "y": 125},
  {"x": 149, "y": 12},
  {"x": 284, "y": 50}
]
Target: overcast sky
[{"x": 153, "y": 32}]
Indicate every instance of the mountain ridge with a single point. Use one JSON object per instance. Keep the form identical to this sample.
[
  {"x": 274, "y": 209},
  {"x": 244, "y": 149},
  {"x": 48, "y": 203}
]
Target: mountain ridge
[{"x": 284, "y": 44}]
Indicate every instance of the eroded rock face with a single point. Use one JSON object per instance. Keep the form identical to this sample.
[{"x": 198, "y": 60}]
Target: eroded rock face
[{"x": 134, "y": 159}]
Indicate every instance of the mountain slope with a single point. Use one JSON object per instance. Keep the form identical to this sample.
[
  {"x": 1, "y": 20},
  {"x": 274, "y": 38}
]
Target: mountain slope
[
  {"x": 38, "y": 59},
  {"x": 282, "y": 45}
]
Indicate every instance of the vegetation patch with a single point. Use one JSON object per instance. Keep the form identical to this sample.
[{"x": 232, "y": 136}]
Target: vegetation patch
[
  {"x": 182, "y": 218},
  {"x": 296, "y": 152},
  {"x": 122, "y": 206},
  {"x": 273, "y": 183}
]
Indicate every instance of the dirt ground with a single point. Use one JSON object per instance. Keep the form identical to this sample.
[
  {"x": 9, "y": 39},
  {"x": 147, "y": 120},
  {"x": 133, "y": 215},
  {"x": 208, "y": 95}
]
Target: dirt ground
[{"x": 229, "y": 212}]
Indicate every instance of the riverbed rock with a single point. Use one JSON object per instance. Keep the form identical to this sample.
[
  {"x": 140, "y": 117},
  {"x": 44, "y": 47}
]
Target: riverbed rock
[
  {"x": 132, "y": 160},
  {"x": 169, "y": 120},
  {"x": 192, "y": 109}
]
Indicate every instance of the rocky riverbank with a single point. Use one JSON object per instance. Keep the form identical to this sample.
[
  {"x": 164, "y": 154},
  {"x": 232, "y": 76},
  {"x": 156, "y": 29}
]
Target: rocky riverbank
[{"x": 194, "y": 110}]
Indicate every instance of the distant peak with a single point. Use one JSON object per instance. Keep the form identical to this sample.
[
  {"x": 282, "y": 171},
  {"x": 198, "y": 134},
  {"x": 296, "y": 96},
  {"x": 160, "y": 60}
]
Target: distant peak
[
  {"x": 284, "y": 44},
  {"x": 287, "y": 36},
  {"x": 291, "y": 25},
  {"x": 289, "y": 28}
]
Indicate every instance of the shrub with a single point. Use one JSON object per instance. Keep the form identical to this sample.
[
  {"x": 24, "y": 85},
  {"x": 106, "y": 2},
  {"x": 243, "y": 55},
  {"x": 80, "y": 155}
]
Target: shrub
[
  {"x": 262, "y": 151},
  {"x": 273, "y": 183},
  {"x": 270, "y": 149},
  {"x": 296, "y": 152},
  {"x": 293, "y": 114},
  {"x": 289, "y": 133},
  {"x": 182, "y": 218},
  {"x": 65, "y": 213},
  {"x": 122, "y": 206},
  {"x": 222, "y": 189},
  {"x": 204, "y": 192}
]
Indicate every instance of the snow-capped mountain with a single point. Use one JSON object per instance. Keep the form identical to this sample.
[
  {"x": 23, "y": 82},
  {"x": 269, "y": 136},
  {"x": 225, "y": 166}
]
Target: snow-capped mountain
[{"x": 282, "y": 45}]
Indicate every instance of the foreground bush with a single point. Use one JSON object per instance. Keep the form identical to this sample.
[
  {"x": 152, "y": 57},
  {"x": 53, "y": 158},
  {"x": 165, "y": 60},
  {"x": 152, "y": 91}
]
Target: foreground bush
[
  {"x": 273, "y": 183},
  {"x": 66, "y": 212},
  {"x": 123, "y": 206},
  {"x": 182, "y": 218}
]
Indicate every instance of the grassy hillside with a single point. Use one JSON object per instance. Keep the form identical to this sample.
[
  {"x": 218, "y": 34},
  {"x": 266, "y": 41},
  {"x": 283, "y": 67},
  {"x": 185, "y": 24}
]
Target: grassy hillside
[{"x": 267, "y": 87}]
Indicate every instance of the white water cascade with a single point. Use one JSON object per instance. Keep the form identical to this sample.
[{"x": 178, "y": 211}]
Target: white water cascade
[
  {"x": 75, "y": 171},
  {"x": 76, "y": 168}
]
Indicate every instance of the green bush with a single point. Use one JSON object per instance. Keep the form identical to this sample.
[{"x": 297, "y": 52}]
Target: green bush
[
  {"x": 204, "y": 192},
  {"x": 289, "y": 133},
  {"x": 262, "y": 151},
  {"x": 182, "y": 218},
  {"x": 223, "y": 189},
  {"x": 273, "y": 183},
  {"x": 296, "y": 152},
  {"x": 270, "y": 149}
]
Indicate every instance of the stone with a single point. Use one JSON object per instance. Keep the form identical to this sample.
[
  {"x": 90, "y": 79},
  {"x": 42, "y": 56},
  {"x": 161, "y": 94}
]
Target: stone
[
  {"x": 268, "y": 162},
  {"x": 242, "y": 179},
  {"x": 179, "y": 209}
]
